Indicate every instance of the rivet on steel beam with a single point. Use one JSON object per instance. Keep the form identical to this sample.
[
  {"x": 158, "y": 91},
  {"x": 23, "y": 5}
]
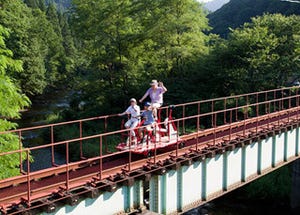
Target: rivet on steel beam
[
  {"x": 200, "y": 157},
  {"x": 262, "y": 136},
  {"x": 210, "y": 154},
  {"x": 271, "y": 133},
  {"x": 277, "y": 131},
  {"x": 49, "y": 208},
  {"x": 221, "y": 150},
  {"x": 92, "y": 193},
  {"x": 248, "y": 141},
  {"x": 283, "y": 129},
  {"x": 240, "y": 144},
  {"x": 187, "y": 162},
  {"x": 230, "y": 147},
  {"x": 129, "y": 182},
  {"x": 160, "y": 171},
  {"x": 111, "y": 187},
  {"x": 147, "y": 177},
  {"x": 72, "y": 200}
]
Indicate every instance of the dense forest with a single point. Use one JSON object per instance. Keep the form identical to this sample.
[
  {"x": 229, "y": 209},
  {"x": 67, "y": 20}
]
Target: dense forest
[
  {"x": 108, "y": 51},
  {"x": 237, "y": 12}
]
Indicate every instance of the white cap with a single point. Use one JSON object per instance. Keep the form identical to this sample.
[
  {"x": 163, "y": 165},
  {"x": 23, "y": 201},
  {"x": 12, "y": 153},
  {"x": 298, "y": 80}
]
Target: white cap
[
  {"x": 133, "y": 100},
  {"x": 154, "y": 82}
]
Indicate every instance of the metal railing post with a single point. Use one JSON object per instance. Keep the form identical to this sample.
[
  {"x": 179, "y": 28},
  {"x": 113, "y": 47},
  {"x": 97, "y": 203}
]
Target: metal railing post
[
  {"x": 155, "y": 147},
  {"x": 290, "y": 104},
  {"x": 214, "y": 126},
  {"x": 80, "y": 142},
  {"x": 198, "y": 128},
  {"x": 28, "y": 178},
  {"x": 247, "y": 103},
  {"x": 236, "y": 110},
  {"x": 269, "y": 112},
  {"x": 52, "y": 146},
  {"x": 282, "y": 105},
  {"x": 230, "y": 127},
  {"x": 225, "y": 107},
  {"x": 199, "y": 112},
  {"x": 67, "y": 167},
  {"x": 266, "y": 99},
  {"x": 177, "y": 136},
  {"x": 274, "y": 103},
  {"x": 100, "y": 159},
  {"x": 212, "y": 115},
  {"x": 105, "y": 130},
  {"x": 21, "y": 150},
  {"x": 183, "y": 121},
  {"x": 130, "y": 151}
]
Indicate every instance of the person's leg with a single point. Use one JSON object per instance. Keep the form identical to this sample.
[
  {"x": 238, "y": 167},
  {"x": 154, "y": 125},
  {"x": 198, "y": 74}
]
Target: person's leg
[
  {"x": 155, "y": 106},
  {"x": 128, "y": 125},
  {"x": 133, "y": 126}
]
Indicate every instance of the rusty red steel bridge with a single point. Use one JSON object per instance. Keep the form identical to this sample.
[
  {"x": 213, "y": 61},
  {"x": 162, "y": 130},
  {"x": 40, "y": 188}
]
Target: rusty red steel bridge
[{"x": 207, "y": 128}]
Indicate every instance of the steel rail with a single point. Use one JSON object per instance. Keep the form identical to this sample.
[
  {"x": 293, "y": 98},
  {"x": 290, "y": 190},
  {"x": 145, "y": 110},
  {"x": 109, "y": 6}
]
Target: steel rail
[
  {"x": 178, "y": 105},
  {"x": 292, "y": 113},
  {"x": 92, "y": 174},
  {"x": 161, "y": 123},
  {"x": 126, "y": 130}
]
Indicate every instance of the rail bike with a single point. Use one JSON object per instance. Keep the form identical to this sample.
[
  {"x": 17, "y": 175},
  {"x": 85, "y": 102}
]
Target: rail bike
[{"x": 162, "y": 135}]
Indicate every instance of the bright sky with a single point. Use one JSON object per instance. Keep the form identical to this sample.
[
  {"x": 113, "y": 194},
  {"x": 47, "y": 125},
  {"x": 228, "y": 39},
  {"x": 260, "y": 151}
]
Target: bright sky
[{"x": 204, "y": 0}]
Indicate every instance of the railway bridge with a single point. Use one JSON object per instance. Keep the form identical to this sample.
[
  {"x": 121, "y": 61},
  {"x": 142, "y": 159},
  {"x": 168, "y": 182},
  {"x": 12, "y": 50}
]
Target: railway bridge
[{"x": 222, "y": 144}]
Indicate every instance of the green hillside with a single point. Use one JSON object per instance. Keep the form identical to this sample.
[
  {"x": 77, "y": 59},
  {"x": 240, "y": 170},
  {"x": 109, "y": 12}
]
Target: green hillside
[
  {"x": 63, "y": 3},
  {"x": 237, "y": 12}
]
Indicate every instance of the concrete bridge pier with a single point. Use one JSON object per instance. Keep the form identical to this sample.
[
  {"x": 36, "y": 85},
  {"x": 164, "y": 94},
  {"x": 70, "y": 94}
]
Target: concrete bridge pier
[
  {"x": 123, "y": 200},
  {"x": 167, "y": 194}
]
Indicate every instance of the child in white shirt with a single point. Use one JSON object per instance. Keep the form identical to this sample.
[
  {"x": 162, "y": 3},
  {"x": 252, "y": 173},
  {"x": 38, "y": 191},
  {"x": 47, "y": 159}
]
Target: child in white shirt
[{"x": 134, "y": 110}]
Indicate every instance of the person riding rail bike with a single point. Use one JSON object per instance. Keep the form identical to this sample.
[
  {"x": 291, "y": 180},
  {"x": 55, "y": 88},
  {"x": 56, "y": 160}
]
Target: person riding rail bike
[
  {"x": 134, "y": 111},
  {"x": 155, "y": 92}
]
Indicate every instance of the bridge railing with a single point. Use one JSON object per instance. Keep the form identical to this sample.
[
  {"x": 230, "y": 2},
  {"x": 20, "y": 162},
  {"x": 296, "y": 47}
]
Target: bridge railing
[
  {"x": 278, "y": 107},
  {"x": 233, "y": 108}
]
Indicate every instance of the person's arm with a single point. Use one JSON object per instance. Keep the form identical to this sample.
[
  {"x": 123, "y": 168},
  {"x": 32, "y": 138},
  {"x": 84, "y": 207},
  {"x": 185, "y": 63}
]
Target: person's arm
[
  {"x": 161, "y": 84},
  {"x": 145, "y": 96},
  {"x": 139, "y": 116},
  {"x": 124, "y": 113}
]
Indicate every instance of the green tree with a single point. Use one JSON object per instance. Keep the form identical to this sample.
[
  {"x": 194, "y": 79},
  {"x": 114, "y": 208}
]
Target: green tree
[
  {"x": 37, "y": 40},
  {"x": 32, "y": 3},
  {"x": 108, "y": 33},
  {"x": 42, "y": 5},
  {"x": 58, "y": 64},
  {"x": 26, "y": 44},
  {"x": 128, "y": 42},
  {"x": 68, "y": 64},
  {"x": 176, "y": 28},
  {"x": 236, "y": 12},
  {"x": 11, "y": 102},
  {"x": 262, "y": 54}
]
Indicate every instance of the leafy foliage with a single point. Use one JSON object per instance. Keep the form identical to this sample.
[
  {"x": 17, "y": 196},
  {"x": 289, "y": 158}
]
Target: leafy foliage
[
  {"x": 11, "y": 101},
  {"x": 237, "y": 12},
  {"x": 120, "y": 45},
  {"x": 125, "y": 43},
  {"x": 261, "y": 55},
  {"x": 37, "y": 39}
]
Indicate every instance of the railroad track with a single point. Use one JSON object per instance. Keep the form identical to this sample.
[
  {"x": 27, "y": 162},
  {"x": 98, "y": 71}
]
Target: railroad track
[{"x": 107, "y": 171}]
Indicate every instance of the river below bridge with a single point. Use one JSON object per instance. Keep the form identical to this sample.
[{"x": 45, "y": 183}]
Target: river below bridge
[
  {"x": 42, "y": 107},
  {"x": 234, "y": 203}
]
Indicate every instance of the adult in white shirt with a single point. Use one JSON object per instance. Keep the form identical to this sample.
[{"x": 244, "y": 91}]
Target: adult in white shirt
[
  {"x": 134, "y": 111},
  {"x": 156, "y": 92}
]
